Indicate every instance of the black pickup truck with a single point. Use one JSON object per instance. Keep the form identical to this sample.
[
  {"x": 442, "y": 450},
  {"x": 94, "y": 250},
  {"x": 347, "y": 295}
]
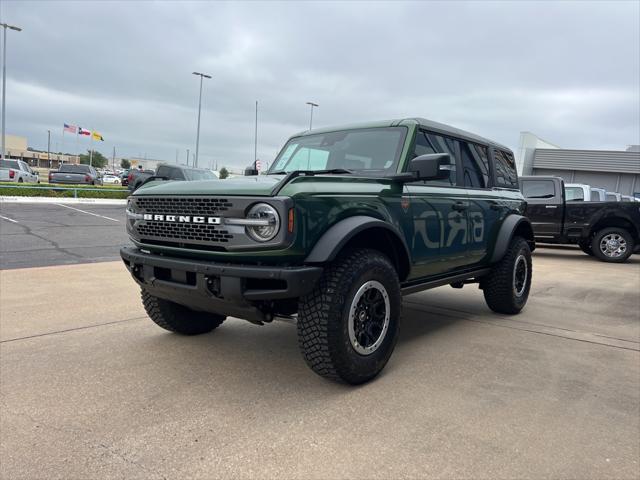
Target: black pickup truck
[{"x": 609, "y": 231}]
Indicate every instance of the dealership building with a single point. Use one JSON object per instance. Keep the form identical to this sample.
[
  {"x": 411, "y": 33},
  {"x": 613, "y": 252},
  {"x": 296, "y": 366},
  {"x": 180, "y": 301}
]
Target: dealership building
[
  {"x": 17, "y": 149},
  {"x": 613, "y": 170}
]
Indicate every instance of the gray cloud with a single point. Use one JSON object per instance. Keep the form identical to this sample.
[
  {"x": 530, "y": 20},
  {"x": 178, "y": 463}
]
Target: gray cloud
[{"x": 569, "y": 71}]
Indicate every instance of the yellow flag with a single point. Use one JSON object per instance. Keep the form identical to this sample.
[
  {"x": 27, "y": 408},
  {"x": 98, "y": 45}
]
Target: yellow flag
[{"x": 97, "y": 136}]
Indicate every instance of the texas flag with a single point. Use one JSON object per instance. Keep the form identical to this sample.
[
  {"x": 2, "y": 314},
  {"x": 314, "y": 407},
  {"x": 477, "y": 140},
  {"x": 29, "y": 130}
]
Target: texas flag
[{"x": 82, "y": 131}]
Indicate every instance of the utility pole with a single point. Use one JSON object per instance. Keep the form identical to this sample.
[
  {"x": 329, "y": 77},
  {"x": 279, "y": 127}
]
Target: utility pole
[
  {"x": 48, "y": 147},
  {"x": 4, "y": 80},
  {"x": 202, "y": 75},
  {"x": 311, "y": 117},
  {"x": 113, "y": 159},
  {"x": 255, "y": 137},
  {"x": 187, "y": 157}
]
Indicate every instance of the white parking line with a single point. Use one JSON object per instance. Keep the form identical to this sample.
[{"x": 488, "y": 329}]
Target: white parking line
[
  {"x": 10, "y": 219},
  {"x": 88, "y": 213}
]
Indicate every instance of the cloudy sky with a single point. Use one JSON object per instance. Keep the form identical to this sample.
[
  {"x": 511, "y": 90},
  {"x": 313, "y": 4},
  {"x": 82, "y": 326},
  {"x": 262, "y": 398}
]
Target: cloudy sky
[{"x": 567, "y": 71}]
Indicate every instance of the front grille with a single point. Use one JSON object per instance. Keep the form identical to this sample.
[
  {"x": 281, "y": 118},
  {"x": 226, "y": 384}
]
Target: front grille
[
  {"x": 172, "y": 233},
  {"x": 182, "y": 205},
  {"x": 184, "y": 231}
]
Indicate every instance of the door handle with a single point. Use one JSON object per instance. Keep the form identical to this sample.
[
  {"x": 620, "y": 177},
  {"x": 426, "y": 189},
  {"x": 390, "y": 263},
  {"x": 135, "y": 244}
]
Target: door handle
[
  {"x": 460, "y": 206},
  {"x": 550, "y": 206}
]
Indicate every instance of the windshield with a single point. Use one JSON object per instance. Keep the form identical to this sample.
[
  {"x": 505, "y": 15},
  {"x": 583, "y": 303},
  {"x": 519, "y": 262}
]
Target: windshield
[
  {"x": 366, "y": 150},
  {"x": 200, "y": 175},
  {"x": 574, "y": 194}
]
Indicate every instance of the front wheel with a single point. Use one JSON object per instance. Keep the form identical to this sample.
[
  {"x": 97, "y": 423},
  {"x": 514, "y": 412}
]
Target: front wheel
[
  {"x": 177, "y": 318},
  {"x": 348, "y": 325},
  {"x": 612, "y": 244},
  {"x": 506, "y": 287}
]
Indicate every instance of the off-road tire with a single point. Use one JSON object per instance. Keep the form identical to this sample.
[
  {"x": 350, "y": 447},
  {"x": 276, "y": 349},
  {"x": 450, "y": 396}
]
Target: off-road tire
[
  {"x": 323, "y": 317},
  {"x": 177, "y": 318},
  {"x": 499, "y": 286},
  {"x": 585, "y": 246},
  {"x": 597, "y": 238}
]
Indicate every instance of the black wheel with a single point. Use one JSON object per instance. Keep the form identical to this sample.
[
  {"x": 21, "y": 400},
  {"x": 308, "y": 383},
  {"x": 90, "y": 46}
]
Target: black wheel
[
  {"x": 20, "y": 180},
  {"x": 348, "y": 325},
  {"x": 612, "y": 244},
  {"x": 177, "y": 318},
  {"x": 586, "y": 247},
  {"x": 506, "y": 287}
]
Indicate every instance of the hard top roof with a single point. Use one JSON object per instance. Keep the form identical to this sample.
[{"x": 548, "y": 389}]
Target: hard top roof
[{"x": 423, "y": 122}]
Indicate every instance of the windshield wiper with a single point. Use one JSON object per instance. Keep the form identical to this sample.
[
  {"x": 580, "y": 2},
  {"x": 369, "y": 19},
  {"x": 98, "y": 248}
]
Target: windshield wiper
[{"x": 296, "y": 173}]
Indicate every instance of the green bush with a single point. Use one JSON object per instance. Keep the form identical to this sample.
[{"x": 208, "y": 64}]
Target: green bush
[{"x": 33, "y": 191}]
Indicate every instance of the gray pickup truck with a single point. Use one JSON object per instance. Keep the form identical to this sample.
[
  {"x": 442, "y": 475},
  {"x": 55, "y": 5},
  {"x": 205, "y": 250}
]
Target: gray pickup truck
[
  {"x": 75, "y": 174},
  {"x": 137, "y": 178}
]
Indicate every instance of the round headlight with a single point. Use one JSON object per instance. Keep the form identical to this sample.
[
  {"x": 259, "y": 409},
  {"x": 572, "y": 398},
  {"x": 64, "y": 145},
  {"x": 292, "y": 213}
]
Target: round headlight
[{"x": 270, "y": 222}]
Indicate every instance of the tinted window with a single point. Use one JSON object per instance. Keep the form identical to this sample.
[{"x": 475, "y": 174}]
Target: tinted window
[
  {"x": 538, "y": 189},
  {"x": 9, "y": 164},
  {"x": 596, "y": 195},
  {"x": 427, "y": 143},
  {"x": 574, "y": 194},
  {"x": 74, "y": 168},
  {"x": 611, "y": 197},
  {"x": 475, "y": 165},
  {"x": 505, "y": 167}
]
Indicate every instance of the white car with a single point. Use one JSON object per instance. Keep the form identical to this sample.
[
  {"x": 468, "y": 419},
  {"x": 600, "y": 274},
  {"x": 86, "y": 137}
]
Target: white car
[{"x": 110, "y": 179}]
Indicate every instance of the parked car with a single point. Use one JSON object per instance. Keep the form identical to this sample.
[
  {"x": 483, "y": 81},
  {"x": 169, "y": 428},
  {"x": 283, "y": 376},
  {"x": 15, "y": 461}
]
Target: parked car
[
  {"x": 598, "y": 194},
  {"x": 136, "y": 176},
  {"x": 172, "y": 172},
  {"x": 614, "y": 197},
  {"x": 608, "y": 230},
  {"x": 346, "y": 221},
  {"x": 69, "y": 173},
  {"x": 17, "y": 171},
  {"x": 110, "y": 179},
  {"x": 124, "y": 177}
]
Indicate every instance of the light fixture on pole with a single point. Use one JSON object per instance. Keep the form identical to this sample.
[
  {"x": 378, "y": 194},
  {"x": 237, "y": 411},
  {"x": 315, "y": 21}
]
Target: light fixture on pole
[
  {"x": 201, "y": 75},
  {"x": 4, "y": 77},
  {"x": 311, "y": 117}
]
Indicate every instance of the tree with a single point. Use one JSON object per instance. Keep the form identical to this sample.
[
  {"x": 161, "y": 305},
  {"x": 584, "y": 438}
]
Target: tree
[
  {"x": 223, "y": 173},
  {"x": 98, "y": 160},
  {"x": 124, "y": 163}
]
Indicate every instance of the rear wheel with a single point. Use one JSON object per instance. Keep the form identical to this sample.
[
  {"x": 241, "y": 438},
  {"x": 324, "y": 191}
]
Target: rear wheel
[
  {"x": 178, "y": 318},
  {"x": 612, "y": 244},
  {"x": 20, "y": 180},
  {"x": 348, "y": 325},
  {"x": 506, "y": 287}
]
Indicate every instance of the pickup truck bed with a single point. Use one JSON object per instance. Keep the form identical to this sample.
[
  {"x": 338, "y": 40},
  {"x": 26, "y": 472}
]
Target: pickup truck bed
[{"x": 609, "y": 231}]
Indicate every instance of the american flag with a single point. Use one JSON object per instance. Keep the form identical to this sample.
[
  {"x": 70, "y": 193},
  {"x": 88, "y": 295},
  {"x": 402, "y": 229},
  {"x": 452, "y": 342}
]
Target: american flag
[{"x": 69, "y": 128}]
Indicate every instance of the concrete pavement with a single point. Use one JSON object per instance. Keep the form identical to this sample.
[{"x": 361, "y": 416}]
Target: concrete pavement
[{"x": 90, "y": 388}]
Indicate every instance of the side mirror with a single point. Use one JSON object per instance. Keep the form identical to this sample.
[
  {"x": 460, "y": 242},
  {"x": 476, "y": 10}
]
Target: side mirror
[
  {"x": 433, "y": 166},
  {"x": 250, "y": 171}
]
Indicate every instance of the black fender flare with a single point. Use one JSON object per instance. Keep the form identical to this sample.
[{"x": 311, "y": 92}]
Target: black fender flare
[
  {"x": 331, "y": 242},
  {"x": 507, "y": 229}
]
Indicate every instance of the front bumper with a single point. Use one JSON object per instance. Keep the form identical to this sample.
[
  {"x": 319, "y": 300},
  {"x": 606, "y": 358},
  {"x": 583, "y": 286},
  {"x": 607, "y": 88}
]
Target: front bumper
[{"x": 227, "y": 289}]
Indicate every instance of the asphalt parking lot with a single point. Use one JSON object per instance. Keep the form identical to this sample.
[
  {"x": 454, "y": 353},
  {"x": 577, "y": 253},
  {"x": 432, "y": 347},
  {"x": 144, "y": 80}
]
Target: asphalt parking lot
[
  {"x": 90, "y": 388},
  {"x": 56, "y": 234}
]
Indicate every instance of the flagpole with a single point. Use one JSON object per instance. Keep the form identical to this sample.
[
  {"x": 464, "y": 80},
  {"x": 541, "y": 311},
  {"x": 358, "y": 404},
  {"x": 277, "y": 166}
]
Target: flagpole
[
  {"x": 91, "y": 149},
  {"x": 62, "y": 145}
]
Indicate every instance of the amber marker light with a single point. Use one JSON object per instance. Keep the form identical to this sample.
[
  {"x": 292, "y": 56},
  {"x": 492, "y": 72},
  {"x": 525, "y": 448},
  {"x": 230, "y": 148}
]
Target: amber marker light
[{"x": 290, "y": 222}]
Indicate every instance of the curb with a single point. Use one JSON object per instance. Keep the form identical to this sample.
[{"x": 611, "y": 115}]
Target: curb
[{"x": 85, "y": 201}]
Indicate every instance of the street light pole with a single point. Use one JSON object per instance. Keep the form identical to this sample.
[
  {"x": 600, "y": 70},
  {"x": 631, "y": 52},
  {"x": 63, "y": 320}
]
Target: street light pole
[
  {"x": 4, "y": 77},
  {"x": 202, "y": 75},
  {"x": 311, "y": 118}
]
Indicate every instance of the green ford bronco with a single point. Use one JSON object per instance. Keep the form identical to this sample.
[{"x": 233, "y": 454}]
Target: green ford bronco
[{"x": 346, "y": 222}]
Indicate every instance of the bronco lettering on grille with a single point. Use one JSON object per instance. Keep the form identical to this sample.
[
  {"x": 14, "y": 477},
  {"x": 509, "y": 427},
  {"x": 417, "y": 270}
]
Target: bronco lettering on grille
[{"x": 182, "y": 218}]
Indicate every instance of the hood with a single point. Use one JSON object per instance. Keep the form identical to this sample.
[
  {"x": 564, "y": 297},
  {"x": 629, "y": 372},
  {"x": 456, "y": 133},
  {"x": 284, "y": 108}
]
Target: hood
[{"x": 258, "y": 185}]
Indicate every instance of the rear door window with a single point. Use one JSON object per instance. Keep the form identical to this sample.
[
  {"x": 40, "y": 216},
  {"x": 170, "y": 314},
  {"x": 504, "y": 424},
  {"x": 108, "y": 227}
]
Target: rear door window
[
  {"x": 538, "y": 189},
  {"x": 475, "y": 165},
  {"x": 505, "y": 168},
  {"x": 574, "y": 194}
]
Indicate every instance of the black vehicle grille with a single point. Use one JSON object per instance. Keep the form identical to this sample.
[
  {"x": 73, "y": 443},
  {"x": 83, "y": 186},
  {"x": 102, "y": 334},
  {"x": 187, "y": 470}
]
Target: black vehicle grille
[
  {"x": 182, "y": 206},
  {"x": 172, "y": 233},
  {"x": 184, "y": 231}
]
